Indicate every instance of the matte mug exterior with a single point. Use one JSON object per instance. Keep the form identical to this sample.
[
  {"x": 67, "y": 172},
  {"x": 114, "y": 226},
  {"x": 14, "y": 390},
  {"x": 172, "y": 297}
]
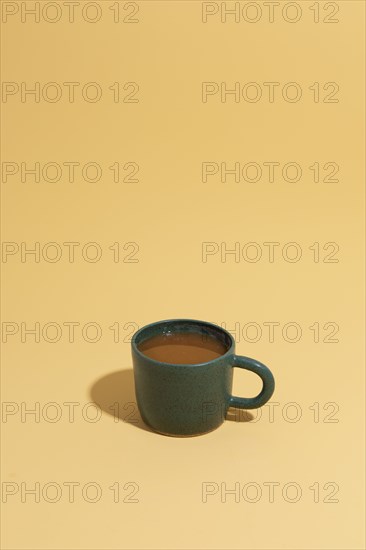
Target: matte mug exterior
[{"x": 185, "y": 399}]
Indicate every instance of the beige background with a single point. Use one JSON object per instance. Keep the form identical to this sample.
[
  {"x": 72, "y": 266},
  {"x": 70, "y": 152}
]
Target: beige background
[{"x": 314, "y": 437}]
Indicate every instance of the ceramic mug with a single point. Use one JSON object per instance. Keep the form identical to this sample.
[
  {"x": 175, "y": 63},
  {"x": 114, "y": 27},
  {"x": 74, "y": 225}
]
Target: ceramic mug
[{"x": 191, "y": 399}]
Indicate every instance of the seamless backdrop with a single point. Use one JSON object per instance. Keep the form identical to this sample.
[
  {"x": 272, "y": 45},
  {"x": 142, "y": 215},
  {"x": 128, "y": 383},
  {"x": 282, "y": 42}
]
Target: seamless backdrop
[{"x": 182, "y": 159}]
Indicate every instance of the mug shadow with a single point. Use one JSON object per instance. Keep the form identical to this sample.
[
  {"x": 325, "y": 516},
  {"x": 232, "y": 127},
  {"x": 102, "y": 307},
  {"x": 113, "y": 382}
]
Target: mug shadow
[
  {"x": 114, "y": 394},
  {"x": 239, "y": 415}
]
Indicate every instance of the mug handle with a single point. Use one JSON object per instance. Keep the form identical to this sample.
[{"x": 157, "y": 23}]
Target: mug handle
[{"x": 267, "y": 378}]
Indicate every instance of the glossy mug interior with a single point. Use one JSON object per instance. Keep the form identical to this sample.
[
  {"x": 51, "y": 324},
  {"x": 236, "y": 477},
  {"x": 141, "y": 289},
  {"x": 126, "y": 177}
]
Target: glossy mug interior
[{"x": 190, "y": 398}]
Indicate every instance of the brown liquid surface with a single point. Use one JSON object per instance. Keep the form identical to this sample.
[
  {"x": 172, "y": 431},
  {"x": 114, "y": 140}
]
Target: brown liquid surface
[{"x": 183, "y": 347}]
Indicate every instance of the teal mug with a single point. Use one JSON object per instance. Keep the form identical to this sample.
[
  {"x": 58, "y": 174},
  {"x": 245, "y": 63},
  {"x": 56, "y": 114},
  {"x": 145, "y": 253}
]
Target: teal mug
[{"x": 182, "y": 399}]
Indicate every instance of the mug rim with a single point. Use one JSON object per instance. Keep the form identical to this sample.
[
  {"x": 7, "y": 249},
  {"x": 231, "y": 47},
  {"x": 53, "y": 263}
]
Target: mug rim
[{"x": 229, "y": 352}]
